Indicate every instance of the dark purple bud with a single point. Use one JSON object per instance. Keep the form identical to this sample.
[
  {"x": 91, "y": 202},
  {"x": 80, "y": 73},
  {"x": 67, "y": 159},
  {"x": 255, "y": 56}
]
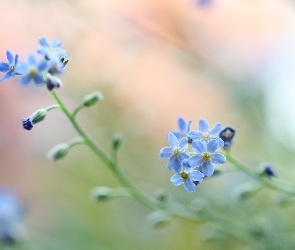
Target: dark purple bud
[{"x": 27, "y": 123}]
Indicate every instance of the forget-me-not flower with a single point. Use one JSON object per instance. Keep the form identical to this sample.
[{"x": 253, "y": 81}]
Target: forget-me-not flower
[
  {"x": 183, "y": 128},
  {"x": 51, "y": 49},
  {"x": 188, "y": 177},
  {"x": 205, "y": 134},
  {"x": 32, "y": 71},
  {"x": 8, "y": 68},
  {"x": 206, "y": 156},
  {"x": 176, "y": 153}
]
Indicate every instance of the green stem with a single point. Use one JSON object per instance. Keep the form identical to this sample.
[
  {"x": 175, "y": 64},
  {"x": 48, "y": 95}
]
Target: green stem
[
  {"x": 51, "y": 107},
  {"x": 275, "y": 184}
]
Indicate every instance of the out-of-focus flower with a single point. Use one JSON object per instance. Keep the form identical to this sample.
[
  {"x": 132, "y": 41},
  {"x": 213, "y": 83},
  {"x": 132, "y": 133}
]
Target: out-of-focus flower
[
  {"x": 8, "y": 68},
  {"x": 176, "y": 153},
  {"x": 206, "y": 156},
  {"x": 183, "y": 129},
  {"x": 205, "y": 134},
  {"x": 51, "y": 49},
  {"x": 32, "y": 71},
  {"x": 188, "y": 177},
  {"x": 269, "y": 171},
  {"x": 11, "y": 217}
]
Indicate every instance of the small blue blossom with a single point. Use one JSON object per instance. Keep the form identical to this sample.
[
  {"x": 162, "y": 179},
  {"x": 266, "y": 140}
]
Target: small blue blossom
[
  {"x": 206, "y": 156},
  {"x": 8, "y": 68},
  {"x": 176, "y": 153},
  {"x": 188, "y": 177},
  {"x": 32, "y": 71},
  {"x": 11, "y": 216},
  {"x": 51, "y": 49},
  {"x": 183, "y": 128},
  {"x": 55, "y": 66},
  {"x": 205, "y": 134}
]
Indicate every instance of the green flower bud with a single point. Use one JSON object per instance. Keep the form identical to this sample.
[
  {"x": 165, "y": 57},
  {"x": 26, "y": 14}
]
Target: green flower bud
[
  {"x": 91, "y": 99},
  {"x": 247, "y": 190},
  {"x": 38, "y": 116},
  {"x": 116, "y": 141},
  {"x": 58, "y": 151},
  {"x": 159, "y": 218},
  {"x": 101, "y": 193}
]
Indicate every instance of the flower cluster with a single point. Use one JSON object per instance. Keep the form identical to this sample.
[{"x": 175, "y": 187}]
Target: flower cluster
[
  {"x": 40, "y": 72},
  {"x": 192, "y": 167}
]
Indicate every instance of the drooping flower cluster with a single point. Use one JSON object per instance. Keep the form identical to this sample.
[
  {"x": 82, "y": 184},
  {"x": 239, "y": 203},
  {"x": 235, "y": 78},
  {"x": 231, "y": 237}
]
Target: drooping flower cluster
[
  {"x": 192, "y": 167},
  {"x": 40, "y": 72}
]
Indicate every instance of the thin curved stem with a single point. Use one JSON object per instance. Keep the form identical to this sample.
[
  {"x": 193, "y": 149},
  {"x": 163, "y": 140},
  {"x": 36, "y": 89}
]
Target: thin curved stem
[{"x": 275, "y": 184}]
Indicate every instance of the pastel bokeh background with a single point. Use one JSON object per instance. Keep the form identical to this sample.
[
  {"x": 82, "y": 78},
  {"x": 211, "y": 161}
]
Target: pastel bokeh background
[{"x": 224, "y": 60}]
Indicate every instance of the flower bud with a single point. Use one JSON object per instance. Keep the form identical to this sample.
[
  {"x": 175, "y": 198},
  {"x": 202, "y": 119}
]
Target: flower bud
[
  {"x": 38, "y": 116},
  {"x": 91, "y": 99},
  {"x": 27, "y": 123},
  {"x": 116, "y": 141},
  {"x": 58, "y": 151},
  {"x": 52, "y": 82},
  {"x": 247, "y": 190},
  {"x": 101, "y": 193},
  {"x": 159, "y": 218}
]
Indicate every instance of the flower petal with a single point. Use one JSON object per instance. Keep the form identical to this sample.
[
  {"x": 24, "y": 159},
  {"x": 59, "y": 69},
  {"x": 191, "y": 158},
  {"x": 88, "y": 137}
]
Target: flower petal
[
  {"x": 166, "y": 152},
  {"x": 218, "y": 158},
  {"x": 176, "y": 180},
  {"x": 188, "y": 126},
  {"x": 183, "y": 144},
  {"x": 220, "y": 141},
  {"x": 173, "y": 140},
  {"x": 189, "y": 185},
  {"x": 25, "y": 79},
  {"x": 42, "y": 65},
  {"x": 212, "y": 146},
  {"x": 203, "y": 126},
  {"x": 55, "y": 43},
  {"x": 181, "y": 124},
  {"x": 5, "y": 77},
  {"x": 196, "y": 175},
  {"x": 177, "y": 134},
  {"x": 21, "y": 68},
  {"x": 43, "y": 41},
  {"x": 174, "y": 163},
  {"x": 4, "y": 67},
  {"x": 183, "y": 156},
  {"x": 195, "y": 135},
  {"x": 198, "y": 147},
  {"x": 31, "y": 59},
  {"x": 196, "y": 161},
  {"x": 9, "y": 57},
  {"x": 207, "y": 168},
  {"x": 38, "y": 79},
  {"x": 215, "y": 130}
]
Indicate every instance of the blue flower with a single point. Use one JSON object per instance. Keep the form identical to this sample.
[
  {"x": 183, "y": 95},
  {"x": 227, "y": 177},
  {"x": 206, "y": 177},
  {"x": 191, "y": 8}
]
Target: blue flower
[
  {"x": 8, "y": 68},
  {"x": 55, "y": 66},
  {"x": 32, "y": 71},
  {"x": 176, "y": 153},
  {"x": 183, "y": 128},
  {"x": 205, "y": 134},
  {"x": 205, "y": 156},
  {"x": 51, "y": 49},
  {"x": 11, "y": 216},
  {"x": 188, "y": 177}
]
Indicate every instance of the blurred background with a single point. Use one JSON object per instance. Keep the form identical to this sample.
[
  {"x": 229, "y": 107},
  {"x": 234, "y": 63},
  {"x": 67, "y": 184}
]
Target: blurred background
[{"x": 228, "y": 61}]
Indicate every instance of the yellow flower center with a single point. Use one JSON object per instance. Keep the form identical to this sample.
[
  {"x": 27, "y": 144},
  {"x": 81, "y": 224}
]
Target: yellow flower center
[
  {"x": 176, "y": 152},
  {"x": 206, "y": 156},
  {"x": 32, "y": 72},
  {"x": 206, "y": 137},
  {"x": 184, "y": 175}
]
